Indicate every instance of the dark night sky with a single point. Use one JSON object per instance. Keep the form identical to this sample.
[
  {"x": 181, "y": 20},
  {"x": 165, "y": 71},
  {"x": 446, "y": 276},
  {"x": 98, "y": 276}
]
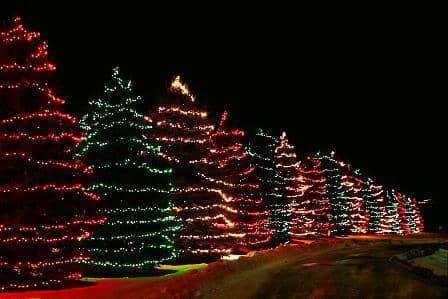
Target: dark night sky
[{"x": 367, "y": 86}]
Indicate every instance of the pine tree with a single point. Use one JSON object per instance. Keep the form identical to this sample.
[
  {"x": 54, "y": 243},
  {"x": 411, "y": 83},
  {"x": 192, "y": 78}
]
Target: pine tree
[
  {"x": 316, "y": 194},
  {"x": 391, "y": 218},
  {"x": 418, "y": 218},
  {"x": 339, "y": 206},
  {"x": 375, "y": 207},
  {"x": 183, "y": 128},
  {"x": 134, "y": 182},
  {"x": 403, "y": 214},
  {"x": 230, "y": 171},
  {"x": 353, "y": 187},
  {"x": 262, "y": 151},
  {"x": 297, "y": 213},
  {"x": 413, "y": 215},
  {"x": 44, "y": 207},
  {"x": 410, "y": 212}
]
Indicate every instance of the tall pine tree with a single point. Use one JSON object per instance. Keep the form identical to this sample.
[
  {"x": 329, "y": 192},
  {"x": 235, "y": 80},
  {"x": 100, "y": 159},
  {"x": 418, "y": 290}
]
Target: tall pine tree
[
  {"x": 353, "y": 189},
  {"x": 403, "y": 216},
  {"x": 418, "y": 218},
  {"x": 262, "y": 151},
  {"x": 392, "y": 218},
  {"x": 375, "y": 207},
  {"x": 339, "y": 205},
  {"x": 316, "y": 194},
  {"x": 183, "y": 128},
  {"x": 134, "y": 182},
  {"x": 230, "y": 171},
  {"x": 44, "y": 207},
  {"x": 297, "y": 212}
]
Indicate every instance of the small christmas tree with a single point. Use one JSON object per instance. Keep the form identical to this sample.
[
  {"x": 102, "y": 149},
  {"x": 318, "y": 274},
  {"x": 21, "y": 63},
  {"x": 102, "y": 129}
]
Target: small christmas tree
[
  {"x": 44, "y": 208},
  {"x": 262, "y": 151},
  {"x": 134, "y": 182}
]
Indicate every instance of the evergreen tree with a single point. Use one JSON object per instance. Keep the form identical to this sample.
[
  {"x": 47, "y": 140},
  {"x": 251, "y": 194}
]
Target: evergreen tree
[
  {"x": 339, "y": 205},
  {"x": 413, "y": 214},
  {"x": 134, "y": 182},
  {"x": 375, "y": 207},
  {"x": 297, "y": 213},
  {"x": 417, "y": 216},
  {"x": 183, "y": 128},
  {"x": 403, "y": 217},
  {"x": 391, "y": 218},
  {"x": 230, "y": 171},
  {"x": 44, "y": 207},
  {"x": 316, "y": 194},
  {"x": 353, "y": 189},
  {"x": 262, "y": 151}
]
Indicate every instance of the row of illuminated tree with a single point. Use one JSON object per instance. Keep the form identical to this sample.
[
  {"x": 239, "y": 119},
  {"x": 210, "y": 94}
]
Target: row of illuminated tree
[
  {"x": 121, "y": 190},
  {"x": 318, "y": 195}
]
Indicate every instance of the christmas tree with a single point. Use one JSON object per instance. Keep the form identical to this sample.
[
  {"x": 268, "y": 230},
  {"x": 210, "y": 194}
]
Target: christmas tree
[
  {"x": 45, "y": 210},
  {"x": 339, "y": 205},
  {"x": 418, "y": 219},
  {"x": 375, "y": 207},
  {"x": 183, "y": 128},
  {"x": 134, "y": 182},
  {"x": 297, "y": 211},
  {"x": 403, "y": 216},
  {"x": 410, "y": 212},
  {"x": 413, "y": 215},
  {"x": 391, "y": 218},
  {"x": 353, "y": 187},
  {"x": 230, "y": 171},
  {"x": 262, "y": 151},
  {"x": 316, "y": 193}
]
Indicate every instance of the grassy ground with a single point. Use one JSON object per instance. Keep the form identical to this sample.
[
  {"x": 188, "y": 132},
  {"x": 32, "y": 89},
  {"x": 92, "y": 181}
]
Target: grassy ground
[
  {"x": 437, "y": 262},
  {"x": 337, "y": 268}
]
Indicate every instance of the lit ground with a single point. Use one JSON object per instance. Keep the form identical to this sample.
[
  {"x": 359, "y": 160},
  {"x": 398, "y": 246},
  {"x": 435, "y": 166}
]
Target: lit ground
[{"x": 357, "y": 267}]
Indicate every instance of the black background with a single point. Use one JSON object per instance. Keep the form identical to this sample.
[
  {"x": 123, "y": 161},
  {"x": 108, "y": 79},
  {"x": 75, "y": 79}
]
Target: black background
[{"x": 365, "y": 82}]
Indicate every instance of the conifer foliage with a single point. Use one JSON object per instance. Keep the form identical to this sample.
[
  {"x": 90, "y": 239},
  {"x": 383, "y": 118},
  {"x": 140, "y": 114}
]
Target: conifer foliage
[
  {"x": 339, "y": 205},
  {"x": 44, "y": 208},
  {"x": 294, "y": 209},
  {"x": 316, "y": 194},
  {"x": 262, "y": 150},
  {"x": 231, "y": 172},
  {"x": 135, "y": 184},
  {"x": 183, "y": 128}
]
